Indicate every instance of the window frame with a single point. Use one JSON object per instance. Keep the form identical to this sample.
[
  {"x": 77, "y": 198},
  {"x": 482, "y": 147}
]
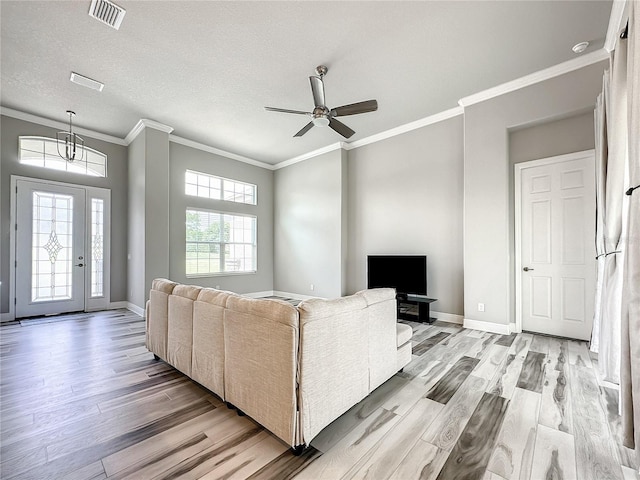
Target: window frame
[
  {"x": 76, "y": 167},
  {"x": 222, "y": 244},
  {"x": 222, "y": 189}
]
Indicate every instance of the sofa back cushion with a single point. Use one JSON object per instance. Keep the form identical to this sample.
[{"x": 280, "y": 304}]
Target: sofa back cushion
[
  {"x": 334, "y": 357},
  {"x": 260, "y": 365},
  {"x": 157, "y": 316},
  {"x": 180, "y": 337},
  {"x": 207, "y": 361}
]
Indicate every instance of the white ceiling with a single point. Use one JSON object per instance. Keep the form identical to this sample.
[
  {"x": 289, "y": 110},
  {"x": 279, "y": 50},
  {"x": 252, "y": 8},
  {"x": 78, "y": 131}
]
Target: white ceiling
[{"x": 207, "y": 68}]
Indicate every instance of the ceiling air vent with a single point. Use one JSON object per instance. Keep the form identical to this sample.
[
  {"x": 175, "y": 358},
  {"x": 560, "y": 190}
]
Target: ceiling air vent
[
  {"x": 86, "y": 81},
  {"x": 107, "y": 12}
]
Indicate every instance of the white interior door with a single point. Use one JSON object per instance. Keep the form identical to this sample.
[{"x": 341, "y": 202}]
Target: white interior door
[
  {"x": 50, "y": 243},
  {"x": 557, "y": 266}
]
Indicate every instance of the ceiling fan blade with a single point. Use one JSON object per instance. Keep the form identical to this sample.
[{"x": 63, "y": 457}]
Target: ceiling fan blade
[
  {"x": 304, "y": 129},
  {"x": 284, "y": 110},
  {"x": 317, "y": 88},
  {"x": 341, "y": 128},
  {"x": 355, "y": 108}
]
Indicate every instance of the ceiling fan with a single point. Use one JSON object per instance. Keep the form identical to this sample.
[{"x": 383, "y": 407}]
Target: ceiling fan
[{"x": 323, "y": 116}]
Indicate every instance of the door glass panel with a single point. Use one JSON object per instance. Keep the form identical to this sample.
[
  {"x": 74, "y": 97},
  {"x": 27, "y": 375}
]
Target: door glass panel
[
  {"x": 52, "y": 245},
  {"x": 97, "y": 250}
]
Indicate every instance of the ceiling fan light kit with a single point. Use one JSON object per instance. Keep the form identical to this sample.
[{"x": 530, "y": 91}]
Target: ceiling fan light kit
[{"x": 322, "y": 116}]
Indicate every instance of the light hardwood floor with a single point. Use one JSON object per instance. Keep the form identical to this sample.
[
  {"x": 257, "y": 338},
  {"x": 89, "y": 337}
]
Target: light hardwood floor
[{"x": 82, "y": 398}]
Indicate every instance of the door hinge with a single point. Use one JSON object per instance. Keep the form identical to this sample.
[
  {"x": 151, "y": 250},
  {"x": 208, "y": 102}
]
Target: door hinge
[
  {"x": 15, "y": 301},
  {"x": 15, "y": 263}
]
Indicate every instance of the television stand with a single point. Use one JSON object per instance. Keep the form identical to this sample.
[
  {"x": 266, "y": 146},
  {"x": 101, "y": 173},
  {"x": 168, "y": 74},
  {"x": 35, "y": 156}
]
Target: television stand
[{"x": 414, "y": 308}]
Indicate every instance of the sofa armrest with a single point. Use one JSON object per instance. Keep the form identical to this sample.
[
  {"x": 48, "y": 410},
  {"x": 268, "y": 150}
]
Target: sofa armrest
[
  {"x": 333, "y": 360},
  {"x": 382, "y": 319}
]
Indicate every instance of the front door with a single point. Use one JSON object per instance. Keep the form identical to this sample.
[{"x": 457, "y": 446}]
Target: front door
[
  {"x": 50, "y": 250},
  {"x": 557, "y": 265}
]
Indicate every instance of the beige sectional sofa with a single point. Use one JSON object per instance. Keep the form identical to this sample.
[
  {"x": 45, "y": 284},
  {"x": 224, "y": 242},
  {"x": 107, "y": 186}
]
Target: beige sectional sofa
[{"x": 292, "y": 369}]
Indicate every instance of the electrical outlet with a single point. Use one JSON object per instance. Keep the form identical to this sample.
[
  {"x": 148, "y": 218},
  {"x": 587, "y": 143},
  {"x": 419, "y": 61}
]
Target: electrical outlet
[
  {"x": 311, "y": 287},
  {"x": 481, "y": 307}
]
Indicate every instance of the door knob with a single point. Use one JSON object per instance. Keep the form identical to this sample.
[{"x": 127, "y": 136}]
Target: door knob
[
  {"x": 526, "y": 269},
  {"x": 80, "y": 265}
]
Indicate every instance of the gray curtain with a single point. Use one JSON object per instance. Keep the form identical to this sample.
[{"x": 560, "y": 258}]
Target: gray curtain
[
  {"x": 601, "y": 150},
  {"x": 612, "y": 213},
  {"x": 630, "y": 348}
]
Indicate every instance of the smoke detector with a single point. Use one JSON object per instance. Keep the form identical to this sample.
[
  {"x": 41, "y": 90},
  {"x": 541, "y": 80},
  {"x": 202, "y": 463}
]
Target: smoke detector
[
  {"x": 580, "y": 47},
  {"x": 107, "y": 12}
]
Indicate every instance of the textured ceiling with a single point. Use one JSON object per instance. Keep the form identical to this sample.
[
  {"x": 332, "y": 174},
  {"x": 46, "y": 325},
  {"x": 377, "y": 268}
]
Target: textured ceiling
[{"x": 207, "y": 68}]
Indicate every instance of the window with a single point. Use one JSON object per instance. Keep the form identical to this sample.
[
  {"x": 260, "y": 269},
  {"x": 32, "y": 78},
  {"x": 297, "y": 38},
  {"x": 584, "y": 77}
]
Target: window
[
  {"x": 52, "y": 247},
  {"x": 97, "y": 251},
  {"x": 219, "y": 243},
  {"x": 218, "y": 188},
  {"x": 43, "y": 152}
]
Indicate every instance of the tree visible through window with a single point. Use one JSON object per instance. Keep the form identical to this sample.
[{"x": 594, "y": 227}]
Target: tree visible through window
[{"x": 219, "y": 242}]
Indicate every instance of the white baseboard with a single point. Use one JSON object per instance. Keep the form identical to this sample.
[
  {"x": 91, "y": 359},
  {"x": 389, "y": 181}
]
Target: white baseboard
[
  {"x": 296, "y": 296},
  {"x": 135, "y": 309},
  {"x": 117, "y": 305},
  {"x": 266, "y": 293},
  {"x": 501, "y": 328},
  {"x": 447, "y": 317}
]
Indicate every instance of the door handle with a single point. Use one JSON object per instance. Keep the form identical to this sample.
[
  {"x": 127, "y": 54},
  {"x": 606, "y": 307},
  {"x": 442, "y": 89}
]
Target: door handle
[
  {"x": 80, "y": 265},
  {"x": 527, "y": 269}
]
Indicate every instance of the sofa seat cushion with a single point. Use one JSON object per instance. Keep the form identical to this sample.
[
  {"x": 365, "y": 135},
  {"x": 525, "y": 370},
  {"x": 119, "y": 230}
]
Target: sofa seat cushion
[{"x": 403, "y": 333}]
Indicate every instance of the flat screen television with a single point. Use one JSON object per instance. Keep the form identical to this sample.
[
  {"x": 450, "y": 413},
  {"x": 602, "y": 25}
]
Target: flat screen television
[{"x": 406, "y": 273}]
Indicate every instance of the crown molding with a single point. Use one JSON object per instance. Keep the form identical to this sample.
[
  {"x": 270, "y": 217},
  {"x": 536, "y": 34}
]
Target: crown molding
[
  {"x": 423, "y": 122},
  {"x": 156, "y": 125},
  {"x": 146, "y": 123},
  {"x": 217, "y": 151},
  {"x": 308, "y": 155},
  {"x": 537, "y": 77},
  {"x": 619, "y": 12},
  {"x": 47, "y": 122}
]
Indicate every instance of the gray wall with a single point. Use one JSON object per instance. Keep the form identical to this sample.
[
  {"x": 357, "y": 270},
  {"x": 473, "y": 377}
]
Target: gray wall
[
  {"x": 405, "y": 197},
  {"x": 116, "y": 181},
  {"x": 136, "y": 232},
  {"x": 488, "y": 226},
  {"x": 156, "y": 207},
  {"x": 184, "y": 158},
  {"x": 309, "y": 224},
  {"x": 555, "y": 137}
]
